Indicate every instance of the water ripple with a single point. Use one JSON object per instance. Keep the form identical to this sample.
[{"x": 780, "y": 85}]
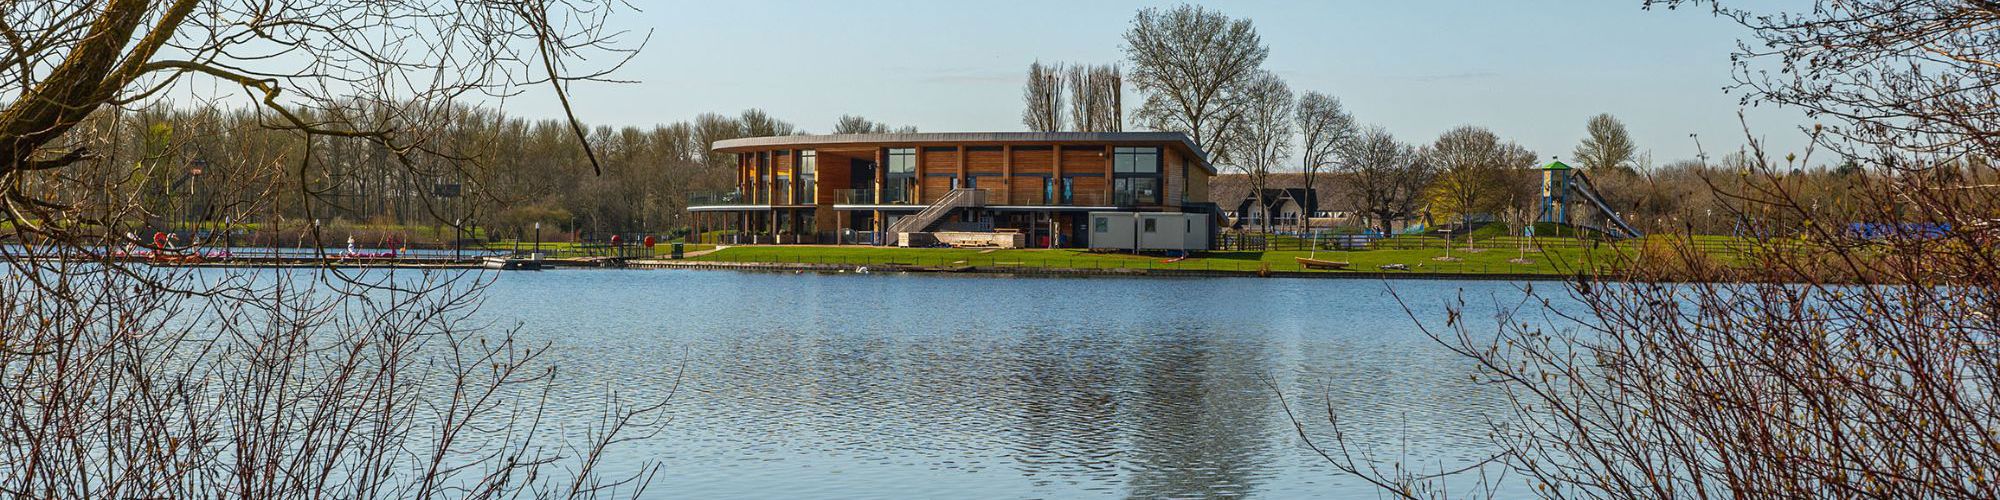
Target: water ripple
[{"x": 831, "y": 386}]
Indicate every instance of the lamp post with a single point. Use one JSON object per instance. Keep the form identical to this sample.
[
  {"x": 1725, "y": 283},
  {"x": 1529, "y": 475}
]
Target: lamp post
[
  {"x": 538, "y": 240},
  {"x": 457, "y": 238},
  {"x": 194, "y": 172}
]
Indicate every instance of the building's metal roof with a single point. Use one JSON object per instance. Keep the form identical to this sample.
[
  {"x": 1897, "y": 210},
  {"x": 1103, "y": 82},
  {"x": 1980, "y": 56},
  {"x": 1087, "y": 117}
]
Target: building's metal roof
[{"x": 800, "y": 141}]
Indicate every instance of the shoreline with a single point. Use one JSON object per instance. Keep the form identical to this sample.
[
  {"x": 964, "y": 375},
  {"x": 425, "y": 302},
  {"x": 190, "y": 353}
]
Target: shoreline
[
  {"x": 1011, "y": 271},
  {"x": 1002, "y": 271}
]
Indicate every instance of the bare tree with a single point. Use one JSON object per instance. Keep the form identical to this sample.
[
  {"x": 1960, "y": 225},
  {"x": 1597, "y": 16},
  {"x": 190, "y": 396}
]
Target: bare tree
[
  {"x": 1820, "y": 359},
  {"x": 1323, "y": 126},
  {"x": 1195, "y": 67},
  {"x": 1884, "y": 77},
  {"x": 1266, "y": 140},
  {"x": 1107, "y": 97},
  {"x": 126, "y": 380},
  {"x": 1386, "y": 179},
  {"x": 1043, "y": 96},
  {"x": 757, "y": 123},
  {"x": 856, "y": 124},
  {"x": 712, "y": 127},
  {"x": 1608, "y": 147},
  {"x": 1474, "y": 169},
  {"x": 1096, "y": 93}
]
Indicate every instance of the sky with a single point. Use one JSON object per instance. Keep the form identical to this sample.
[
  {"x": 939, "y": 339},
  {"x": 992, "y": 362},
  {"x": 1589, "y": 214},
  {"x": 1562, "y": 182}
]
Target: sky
[{"x": 1533, "y": 71}]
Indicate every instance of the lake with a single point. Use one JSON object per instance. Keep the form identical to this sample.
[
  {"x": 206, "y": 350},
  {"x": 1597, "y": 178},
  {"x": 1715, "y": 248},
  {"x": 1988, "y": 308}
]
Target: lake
[{"x": 851, "y": 386}]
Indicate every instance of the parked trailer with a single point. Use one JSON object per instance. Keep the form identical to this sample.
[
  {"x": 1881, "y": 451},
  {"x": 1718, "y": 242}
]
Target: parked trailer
[{"x": 1143, "y": 231}]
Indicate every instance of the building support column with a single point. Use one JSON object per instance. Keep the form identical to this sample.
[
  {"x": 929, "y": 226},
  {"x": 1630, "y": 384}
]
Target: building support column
[
  {"x": 881, "y": 172},
  {"x": 1057, "y": 190},
  {"x": 1110, "y": 178}
]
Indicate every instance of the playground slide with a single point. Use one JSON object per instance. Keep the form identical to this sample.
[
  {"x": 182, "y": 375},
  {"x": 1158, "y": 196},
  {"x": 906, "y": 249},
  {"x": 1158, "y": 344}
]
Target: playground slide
[{"x": 1589, "y": 192}]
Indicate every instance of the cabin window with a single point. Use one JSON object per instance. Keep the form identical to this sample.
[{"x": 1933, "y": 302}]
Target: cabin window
[
  {"x": 1103, "y": 224},
  {"x": 1152, "y": 225}
]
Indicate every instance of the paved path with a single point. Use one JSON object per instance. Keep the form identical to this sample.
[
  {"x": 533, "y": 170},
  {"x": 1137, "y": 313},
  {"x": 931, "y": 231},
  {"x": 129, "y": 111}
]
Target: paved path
[{"x": 690, "y": 255}]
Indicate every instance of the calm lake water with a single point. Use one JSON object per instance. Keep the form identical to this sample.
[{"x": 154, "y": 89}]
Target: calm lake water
[{"x": 857, "y": 386}]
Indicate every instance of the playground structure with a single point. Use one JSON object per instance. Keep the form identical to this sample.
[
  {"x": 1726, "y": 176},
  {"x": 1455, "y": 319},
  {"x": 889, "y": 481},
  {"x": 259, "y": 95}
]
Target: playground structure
[{"x": 1559, "y": 183}]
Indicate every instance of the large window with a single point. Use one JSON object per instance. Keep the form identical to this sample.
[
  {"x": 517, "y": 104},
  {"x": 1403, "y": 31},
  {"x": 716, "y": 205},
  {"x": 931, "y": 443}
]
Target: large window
[
  {"x": 1135, "y": 161},
  {"x": 761, "y": 195},
  {"x": 808, "y": 177},
  {"x": 1135, "y": 176},
  {"x": 781, "y": 180},
  {"x": 1129, "y": 191},
  {"x": 901, "y": 181}
]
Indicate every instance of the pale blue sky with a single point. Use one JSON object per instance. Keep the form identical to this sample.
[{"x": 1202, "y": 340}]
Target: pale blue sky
[{"x": 1532, "y": 70}]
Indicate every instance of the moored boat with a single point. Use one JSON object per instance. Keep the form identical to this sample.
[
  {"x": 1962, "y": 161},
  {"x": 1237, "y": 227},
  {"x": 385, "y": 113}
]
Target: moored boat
[
  {"x": 1324, "y": 265},
  {"x": 510, "y": 263}
]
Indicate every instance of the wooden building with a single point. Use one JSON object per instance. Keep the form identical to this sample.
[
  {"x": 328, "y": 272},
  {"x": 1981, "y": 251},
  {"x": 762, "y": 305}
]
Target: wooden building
[{"x": 863, "y": 188}]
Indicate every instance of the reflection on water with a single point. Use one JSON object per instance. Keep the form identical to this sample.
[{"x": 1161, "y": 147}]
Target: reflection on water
[{"x": 869, "y": 386}]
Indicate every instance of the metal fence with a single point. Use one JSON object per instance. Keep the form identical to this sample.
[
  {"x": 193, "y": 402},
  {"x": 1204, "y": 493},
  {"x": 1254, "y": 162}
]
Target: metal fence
[{"x": 1056, "y": 265}]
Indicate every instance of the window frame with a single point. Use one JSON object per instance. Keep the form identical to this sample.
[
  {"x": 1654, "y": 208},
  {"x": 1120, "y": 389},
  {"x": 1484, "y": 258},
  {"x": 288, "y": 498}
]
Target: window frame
[{"x": 1137, "y": 162}]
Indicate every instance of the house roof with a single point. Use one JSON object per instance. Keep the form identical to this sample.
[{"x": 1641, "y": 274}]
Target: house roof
[
  {"x": 1306, "y": 198},
  {"x": 1187, "y": 145},
  {"x": 1556, "y": 165}
]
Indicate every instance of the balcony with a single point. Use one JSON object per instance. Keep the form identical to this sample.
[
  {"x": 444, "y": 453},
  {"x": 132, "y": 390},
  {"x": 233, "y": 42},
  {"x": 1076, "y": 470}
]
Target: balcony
[
  {"x": 719, "y": 198},
  {"x": 890, "y": 196}
]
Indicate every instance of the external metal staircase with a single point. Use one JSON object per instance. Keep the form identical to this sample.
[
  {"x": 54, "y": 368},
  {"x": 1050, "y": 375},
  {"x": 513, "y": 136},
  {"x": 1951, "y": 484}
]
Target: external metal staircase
[{"x": 956, "y": 199}]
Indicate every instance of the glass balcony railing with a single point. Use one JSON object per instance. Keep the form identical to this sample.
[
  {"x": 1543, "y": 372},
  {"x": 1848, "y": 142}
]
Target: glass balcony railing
[
  {"x": 718, "y": 198},
  {"x": 1040, "y": 198},
  {"x": 889, "y": 196},
  {"x": 854, "y": 196}
]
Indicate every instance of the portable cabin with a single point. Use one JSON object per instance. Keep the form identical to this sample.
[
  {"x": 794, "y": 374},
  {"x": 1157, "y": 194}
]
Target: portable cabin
[{"x": 1142, "y": 231}]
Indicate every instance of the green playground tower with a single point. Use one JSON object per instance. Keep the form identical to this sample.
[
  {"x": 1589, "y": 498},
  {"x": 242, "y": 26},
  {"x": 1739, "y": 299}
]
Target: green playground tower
[{"x": 1556, "y": 180}]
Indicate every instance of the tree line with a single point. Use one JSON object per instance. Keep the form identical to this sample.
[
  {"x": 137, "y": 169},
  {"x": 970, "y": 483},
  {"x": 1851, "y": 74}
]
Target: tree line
[
  {"x": 1201, "y": 73},
  {"x": 195, "y": 167}
]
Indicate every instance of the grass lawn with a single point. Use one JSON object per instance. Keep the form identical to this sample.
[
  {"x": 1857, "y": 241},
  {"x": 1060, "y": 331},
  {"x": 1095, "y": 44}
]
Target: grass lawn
[{"x": 1561, "y": 260}]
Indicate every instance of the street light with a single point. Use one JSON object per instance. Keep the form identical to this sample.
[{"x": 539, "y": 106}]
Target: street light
[{"x": 195, "y": 169}]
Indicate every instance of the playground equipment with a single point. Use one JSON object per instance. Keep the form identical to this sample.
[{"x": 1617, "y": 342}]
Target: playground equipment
[{"x": 1559, "y": 183}]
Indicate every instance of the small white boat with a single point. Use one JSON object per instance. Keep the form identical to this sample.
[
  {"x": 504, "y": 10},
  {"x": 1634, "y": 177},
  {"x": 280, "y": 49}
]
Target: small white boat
[{"x": 510, "y": 264}]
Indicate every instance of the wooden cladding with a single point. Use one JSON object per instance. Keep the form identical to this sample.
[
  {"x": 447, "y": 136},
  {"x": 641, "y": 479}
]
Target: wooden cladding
[
  {"x": 1012, "y": 174},
  {"x": 984, "y": 161}
]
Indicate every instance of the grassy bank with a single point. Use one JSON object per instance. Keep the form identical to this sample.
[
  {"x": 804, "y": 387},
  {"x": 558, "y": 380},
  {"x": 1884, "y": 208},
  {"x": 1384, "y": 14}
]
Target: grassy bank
[{"x": 1552, "y": 259}]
